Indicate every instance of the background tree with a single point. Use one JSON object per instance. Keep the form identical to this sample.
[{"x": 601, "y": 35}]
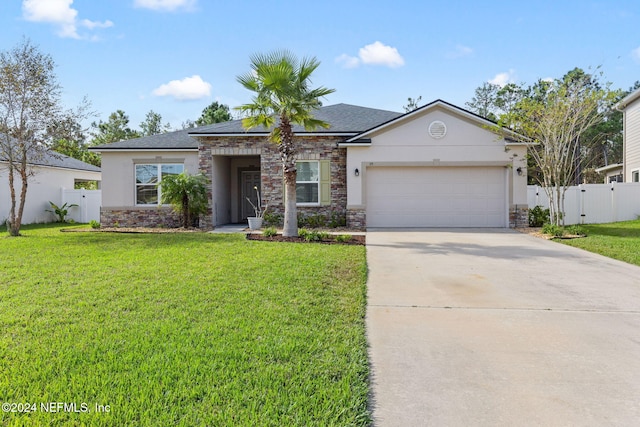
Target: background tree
[
  {"x": 214, "y": 113},
  {"x": 69, "y": 138},
  {"x": 483, "y": 102},
  {"x": 152, "y": 124},
  {"x": 115, "y": 129},
  {"x": 282, "y": 99},
  {"x": 30, "y": 104},
  {"x": 412, "y": 104},
  {"x": 555, "y": 115},
  {"x": 187, "y": 194}
]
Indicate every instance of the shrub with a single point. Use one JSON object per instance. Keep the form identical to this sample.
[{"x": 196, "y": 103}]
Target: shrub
[
  {"x": 342, "y": 238},
  {"x": 538, "y": 216},
  {"x": 338, "y": 219},
  {"x": 94, "y": 224},
  {"x": 272, "y": 219},
  {"x": 576, "y": 230},
  {"x": 269, "y": 232},
  {"x": 553, "y": 230}
]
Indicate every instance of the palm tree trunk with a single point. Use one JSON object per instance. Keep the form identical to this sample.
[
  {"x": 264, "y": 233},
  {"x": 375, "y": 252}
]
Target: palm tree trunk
[{"x": 290, "y": 209}]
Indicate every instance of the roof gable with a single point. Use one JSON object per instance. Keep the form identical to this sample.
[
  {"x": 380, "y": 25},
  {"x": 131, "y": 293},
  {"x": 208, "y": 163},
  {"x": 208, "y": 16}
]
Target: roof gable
[{"x": 438, "y": 103}]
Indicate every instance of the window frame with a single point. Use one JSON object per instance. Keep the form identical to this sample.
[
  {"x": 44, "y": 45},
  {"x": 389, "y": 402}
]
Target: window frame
[
  {"x": 156, "y": 184},
  {"x": 635, "y": 175},
  {"x": 317, "y": 182}
]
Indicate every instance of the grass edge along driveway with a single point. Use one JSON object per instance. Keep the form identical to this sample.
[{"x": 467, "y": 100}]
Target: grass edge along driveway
[
  {"x": 181, "y": 329},
  {"x": 617, "y": 240}
]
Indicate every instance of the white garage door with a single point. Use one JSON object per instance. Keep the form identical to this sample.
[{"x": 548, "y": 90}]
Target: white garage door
[{"x": 436, "y": 197}]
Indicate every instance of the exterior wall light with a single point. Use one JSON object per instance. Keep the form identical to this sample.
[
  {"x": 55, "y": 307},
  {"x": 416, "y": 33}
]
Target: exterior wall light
[
  {"x": 356, "y": 172},
  {"x": 519, "y": 170}
]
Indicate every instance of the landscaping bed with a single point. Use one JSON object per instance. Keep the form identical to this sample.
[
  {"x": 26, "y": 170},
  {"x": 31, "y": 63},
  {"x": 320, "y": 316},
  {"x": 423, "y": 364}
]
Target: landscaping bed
[{"x": 332, "y": 239}]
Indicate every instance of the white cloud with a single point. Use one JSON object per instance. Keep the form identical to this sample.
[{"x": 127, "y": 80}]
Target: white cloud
[
  {"x": 460, "y": 51},
  {"x": 502, "y": 79},
  {"x": 348, "y": 61},
  {"x": 96, "y": 24},
  {"x": 375, "y": 53},
  {"x": 379, "y": 54},
  {"x": 188, "y": 88},
  {"x": 635, "y": 54},
  {"x": 61, "y": 14},
  {"x": 165, "y": 5}
]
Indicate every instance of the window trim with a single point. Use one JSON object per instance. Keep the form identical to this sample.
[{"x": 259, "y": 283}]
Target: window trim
[
  {"x": 317, "y": 162},
  {"x": 158, "y": 166},
  {"x": 635, "y": 174}
]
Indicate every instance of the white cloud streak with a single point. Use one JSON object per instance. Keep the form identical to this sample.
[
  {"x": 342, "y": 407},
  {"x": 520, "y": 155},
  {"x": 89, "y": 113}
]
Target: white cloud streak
[
  {"x": 503, "y": 79},
  {"x": 165, "y": 5},
  {"x": 375, "y": 53},
  {"x": 460, "y": 51},
  {"x": 60, "y": 14},
  {"x": 189, "y": 88}
]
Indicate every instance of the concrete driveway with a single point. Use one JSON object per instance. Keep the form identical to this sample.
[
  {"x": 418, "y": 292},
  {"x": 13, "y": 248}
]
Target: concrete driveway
[{"x": 494, "y": 327}]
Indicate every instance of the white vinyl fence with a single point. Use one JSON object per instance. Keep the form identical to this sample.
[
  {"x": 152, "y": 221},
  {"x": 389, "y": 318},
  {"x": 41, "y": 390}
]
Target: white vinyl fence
[
  {"x": 594, "y": 203},
  {"x": 88, "y": 202}
]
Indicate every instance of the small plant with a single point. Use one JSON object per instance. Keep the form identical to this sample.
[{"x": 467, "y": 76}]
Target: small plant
[
  {"x": 337, "y": 219},
  {"x": 553, "y": 230},
  {"x": 343, "y": 238},
  {"x": 538, "y": 216},
  {"x": 116, "y": 224},
  {"x": 94, "y": 224},
  {"x": 269, "y": 232},
  {"x": 576, "y": 230},
  {"x": 272, "y": 219},
  {"x": 61, "y": 211},
  {"x": 258, "y": 208}
]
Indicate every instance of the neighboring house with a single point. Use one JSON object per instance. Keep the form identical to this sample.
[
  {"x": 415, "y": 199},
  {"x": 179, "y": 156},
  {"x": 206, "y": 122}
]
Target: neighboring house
[
  {"x": 52, "y": 173},
  {"x": 437, "y": 166},
  {"x": 612, "y": 173},
  {"x": 630, "y": 107}
]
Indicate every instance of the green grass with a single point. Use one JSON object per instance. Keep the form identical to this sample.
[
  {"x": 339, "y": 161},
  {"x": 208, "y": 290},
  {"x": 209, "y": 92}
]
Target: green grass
[
  {"x": 182, "y": 329},
  {"x": 619, "y": 240}
]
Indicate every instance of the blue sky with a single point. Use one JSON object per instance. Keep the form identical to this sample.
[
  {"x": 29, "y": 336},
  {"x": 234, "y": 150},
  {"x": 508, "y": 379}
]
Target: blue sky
[{"x": 177, "y": 56}]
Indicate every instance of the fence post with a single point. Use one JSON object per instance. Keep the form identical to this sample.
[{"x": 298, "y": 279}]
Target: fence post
[{"x": 614, "y": 205}]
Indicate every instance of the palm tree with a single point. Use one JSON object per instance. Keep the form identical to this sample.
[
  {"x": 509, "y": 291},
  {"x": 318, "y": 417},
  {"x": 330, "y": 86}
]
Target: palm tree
[
  {"x": 187, "y": 194},
  {"x": 283, "y": 99}
]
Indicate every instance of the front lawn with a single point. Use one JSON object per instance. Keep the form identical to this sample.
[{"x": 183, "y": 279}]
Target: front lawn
[
  {"x": 619, "y": 240},
  {"x": 189, "y": 329}
]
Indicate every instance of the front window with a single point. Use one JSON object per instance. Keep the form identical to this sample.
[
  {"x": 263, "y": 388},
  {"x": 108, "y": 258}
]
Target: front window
[
  {"x": 635, "y": 176},
  {"x": 148, "y": 176},
  {"x": 307, "y": 182}
]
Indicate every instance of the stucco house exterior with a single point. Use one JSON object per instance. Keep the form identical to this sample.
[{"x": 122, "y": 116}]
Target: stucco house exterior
[
  {"x": 437, "y": 166},
  {"x": 630, "y": 107},
  {"x": 52, "y": 173}
]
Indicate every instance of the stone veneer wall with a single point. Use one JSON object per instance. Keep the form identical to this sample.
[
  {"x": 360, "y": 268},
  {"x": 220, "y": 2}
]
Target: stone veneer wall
[
  {"x": 309, "y": 148},
  {"x": 519, "y": 216},
  {"x": 162, "y": 216},
  {"x": 357, "y": 218}
]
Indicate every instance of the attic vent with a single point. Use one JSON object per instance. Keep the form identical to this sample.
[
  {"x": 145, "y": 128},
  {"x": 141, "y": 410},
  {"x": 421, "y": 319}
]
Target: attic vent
[{"x": 437, "y": 129}]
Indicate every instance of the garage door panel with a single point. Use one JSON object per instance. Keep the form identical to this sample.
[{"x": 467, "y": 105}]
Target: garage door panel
[{"x": 435, "y": 197}]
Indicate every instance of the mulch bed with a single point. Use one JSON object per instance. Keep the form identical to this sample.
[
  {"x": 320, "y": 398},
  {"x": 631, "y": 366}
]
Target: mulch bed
[{"x": 355, "y": 239}]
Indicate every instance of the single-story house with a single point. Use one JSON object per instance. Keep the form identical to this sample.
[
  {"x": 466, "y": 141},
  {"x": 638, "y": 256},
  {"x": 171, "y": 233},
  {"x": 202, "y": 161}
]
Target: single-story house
[
  {"x": 612, "y": 173},
  {"x": 437, "y": 166},
  {"x": 630, "y": 107},
  {"x": 52, "y": 173}
]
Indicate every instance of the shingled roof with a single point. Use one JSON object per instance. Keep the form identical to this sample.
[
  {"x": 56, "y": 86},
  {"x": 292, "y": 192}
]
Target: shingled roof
[
  {"x": 343, "y": 119},
  {"x": 57, "y": 160}
]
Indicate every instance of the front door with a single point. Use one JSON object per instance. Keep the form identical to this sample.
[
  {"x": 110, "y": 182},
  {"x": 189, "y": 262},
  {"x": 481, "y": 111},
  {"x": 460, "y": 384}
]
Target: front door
[{"x": 248, "y": 180}]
